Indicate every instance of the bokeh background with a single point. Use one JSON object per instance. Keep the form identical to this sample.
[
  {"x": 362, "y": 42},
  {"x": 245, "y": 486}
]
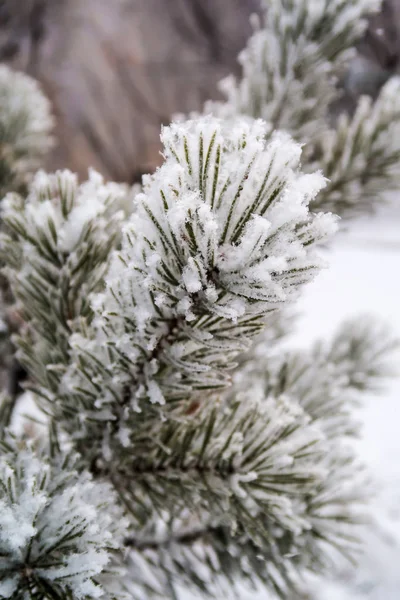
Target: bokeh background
[{"x": 116, "y": 70}]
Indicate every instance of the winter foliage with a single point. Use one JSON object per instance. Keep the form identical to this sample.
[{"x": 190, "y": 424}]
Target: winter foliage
[
  {"x": 360, "y": 157},
  {"x": 67, "y": 231},
  {"x": 290, "y": 72},
  {"x": 220, "y": 238},
  {"x": 25, "y": 126},
  {"x": 25, "y": 139},
  {"x": 191, "y": 448},
  {"x": 292, "y": 62},
  {"x": 328, "y": 383},
  {"x": 56, "y": 533}
]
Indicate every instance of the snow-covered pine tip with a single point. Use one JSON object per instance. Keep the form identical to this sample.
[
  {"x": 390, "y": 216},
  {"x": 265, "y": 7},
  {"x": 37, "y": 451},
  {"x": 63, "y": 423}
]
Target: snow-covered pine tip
[
  {"x": 59, "y": 213},
  {"x": 227, "y": 214},
  {"x": 221, "y": 236},
  {"x": 57, "y": 528},
  {"x": 25, "y": 126},
  {"x": 56, "y": 250}
]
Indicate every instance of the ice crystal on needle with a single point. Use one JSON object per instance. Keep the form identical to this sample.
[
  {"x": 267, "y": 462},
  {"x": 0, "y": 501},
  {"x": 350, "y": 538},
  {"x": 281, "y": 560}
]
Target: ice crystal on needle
[
  {"x": 221, "y": 236},
  {"x": 56, "y": 533}
]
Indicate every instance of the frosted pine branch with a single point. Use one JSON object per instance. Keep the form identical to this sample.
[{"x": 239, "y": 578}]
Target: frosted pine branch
[
  {"x": 235, "y": 478},
  {"x": 214, "y": 562},
  {"x": 326, "y": 382},
  {"x": 329, "y": 380},
  {"x": 361, "y": 155},
  {"x": 25, "y": 126},
  {"x": 220, "y": 238},
  {"x": 231, "y": 463},
  {"x": 292, "y": 61},
  {"x": 66, "y": 232},
  {"x": 133, "y": 317},
  {"x": 290, "y": 70},
  {"x": 56, "y": 531}
]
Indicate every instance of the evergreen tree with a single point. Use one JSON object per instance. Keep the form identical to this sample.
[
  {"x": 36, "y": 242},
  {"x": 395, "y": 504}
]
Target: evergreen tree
[
  {"x": 291, "y": 68},
  {"x": 182, "y": 446}
]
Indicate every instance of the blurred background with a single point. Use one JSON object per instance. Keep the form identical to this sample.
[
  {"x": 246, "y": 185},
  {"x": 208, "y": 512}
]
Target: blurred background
[{"x": 116, "y": 70}]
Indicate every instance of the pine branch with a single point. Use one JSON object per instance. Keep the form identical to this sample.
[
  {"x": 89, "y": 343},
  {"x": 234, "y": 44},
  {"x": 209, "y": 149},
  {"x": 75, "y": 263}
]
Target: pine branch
[
  {"x": 292, "y": 61},
  {"x": 361, "y": 156},
  {"x": 329, "y": 381},
  {"x": 65, "y": 233},
  {"x": 56, "y": 529},
  {"x": 212, "y": 562},
  {"x": 230, "y": 463},
  {"x": 290, "y": 67},
  {"x": 25, "y": 126},
  {"x": 214, "y": 558},
  {"x": 209, "y": 254},
  {"x": 220, "y": 238}
]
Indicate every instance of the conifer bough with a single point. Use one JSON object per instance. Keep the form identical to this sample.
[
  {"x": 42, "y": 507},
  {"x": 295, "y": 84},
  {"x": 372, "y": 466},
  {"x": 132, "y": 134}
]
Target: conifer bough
[
  {"x": 291, "y": 69},
  {"x": 57, "y": 529},
  {"x": 220, "y": 237},
  {"x": 25, "y": 127},
  {"x": 181, "y": 451}
]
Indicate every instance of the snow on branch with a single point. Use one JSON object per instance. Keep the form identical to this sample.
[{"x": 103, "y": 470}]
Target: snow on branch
[
  {"x": 231, "y": 463},
  {"x": 329, "y": 380},
  {"x": 220, "y": 238},
  {"x": 292, "y": 61},
  {"x": 56, "y": 531},
  {"x": 218, "y": 531},
  {"x": 57, "y": 244},
  {"x": 25, "y": 126},
  {"x": 236, "y": 475},
  {"x": 361, "y": 155},
  {"x": 291, "y": 67}
]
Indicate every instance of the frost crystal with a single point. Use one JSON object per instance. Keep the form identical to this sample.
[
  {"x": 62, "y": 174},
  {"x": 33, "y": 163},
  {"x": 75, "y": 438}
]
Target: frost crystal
[
  {"x": 221, "y": 236},
  {"x": 55, "y": 530}
]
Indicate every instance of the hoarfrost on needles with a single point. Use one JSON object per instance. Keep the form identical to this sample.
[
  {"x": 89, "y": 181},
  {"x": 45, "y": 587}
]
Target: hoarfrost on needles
[{"x": 56, "y": 529}]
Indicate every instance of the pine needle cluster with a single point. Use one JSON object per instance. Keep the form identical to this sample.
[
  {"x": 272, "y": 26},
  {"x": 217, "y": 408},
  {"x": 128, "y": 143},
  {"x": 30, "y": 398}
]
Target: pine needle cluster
[{"x": 182, "y": 446}]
